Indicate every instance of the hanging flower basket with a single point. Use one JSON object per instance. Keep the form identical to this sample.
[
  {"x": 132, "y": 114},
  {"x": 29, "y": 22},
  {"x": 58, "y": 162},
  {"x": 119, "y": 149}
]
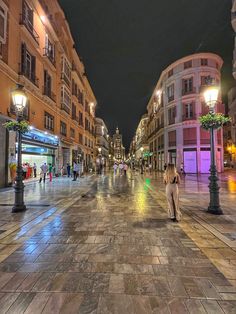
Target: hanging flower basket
[
  {"x": 213, "y": 120},
  {"x": 21, "y": 126}
]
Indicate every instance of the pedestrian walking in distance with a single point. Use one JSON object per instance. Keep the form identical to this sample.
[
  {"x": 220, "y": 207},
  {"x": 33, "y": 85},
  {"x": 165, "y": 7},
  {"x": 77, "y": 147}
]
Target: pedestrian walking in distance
[
  {"x": 125, "y": 169},
  {"x": 68, "y": 169},
  {"x": 115, "y": 168},
  {"x": 35, "y": 169},
  {"x": 75, "y": 171},
  {"x": 121, "y": 168},
  {"x": 172, "y": 180},
  {"x": 50, "y": 170},
  {"x": 44, "y": 170}
]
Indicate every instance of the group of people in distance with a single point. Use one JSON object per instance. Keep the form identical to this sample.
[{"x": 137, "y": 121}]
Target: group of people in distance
[
  {"x": 75, "y": 169},
  {"x": 121, "y": 167}
]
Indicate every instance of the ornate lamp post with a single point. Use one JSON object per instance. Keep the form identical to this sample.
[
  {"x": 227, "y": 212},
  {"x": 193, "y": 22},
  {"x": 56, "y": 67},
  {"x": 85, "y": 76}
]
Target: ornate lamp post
[
  {"x": 19, "y": 99},
  {"x": 211, "y": 99}
]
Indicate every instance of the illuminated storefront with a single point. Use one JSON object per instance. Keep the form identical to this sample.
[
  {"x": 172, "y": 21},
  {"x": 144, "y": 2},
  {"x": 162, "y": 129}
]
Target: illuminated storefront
[{"x": 38, "y": 147}]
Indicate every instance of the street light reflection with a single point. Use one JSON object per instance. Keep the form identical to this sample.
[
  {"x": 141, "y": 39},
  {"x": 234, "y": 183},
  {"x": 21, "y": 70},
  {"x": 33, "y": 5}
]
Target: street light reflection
[{"x": 232, "y": 184}]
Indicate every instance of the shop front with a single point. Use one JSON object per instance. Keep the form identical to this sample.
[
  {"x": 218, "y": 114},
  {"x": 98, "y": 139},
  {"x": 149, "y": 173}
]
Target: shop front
[{"x": 37, "y": 148}]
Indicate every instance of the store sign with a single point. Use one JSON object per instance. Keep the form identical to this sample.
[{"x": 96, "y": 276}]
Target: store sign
[
  {"x": 37, "y": 136},
  {"x": 147, "y": 154}
]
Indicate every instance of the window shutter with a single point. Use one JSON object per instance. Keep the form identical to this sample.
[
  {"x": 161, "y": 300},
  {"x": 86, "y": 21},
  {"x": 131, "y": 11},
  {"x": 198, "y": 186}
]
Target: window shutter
[
  {"x": 33, "y": 67},
  {"x": 23, "y": 57}
]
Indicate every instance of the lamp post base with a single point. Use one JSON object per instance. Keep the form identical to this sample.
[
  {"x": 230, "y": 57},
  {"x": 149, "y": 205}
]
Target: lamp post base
[
  {"x": 18, "y": 208},
  {"x": 215, "y": 210}
]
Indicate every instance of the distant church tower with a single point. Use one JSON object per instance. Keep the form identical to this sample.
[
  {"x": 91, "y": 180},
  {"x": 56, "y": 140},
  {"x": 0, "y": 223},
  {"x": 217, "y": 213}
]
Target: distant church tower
[{"x": 119, "y": 150}]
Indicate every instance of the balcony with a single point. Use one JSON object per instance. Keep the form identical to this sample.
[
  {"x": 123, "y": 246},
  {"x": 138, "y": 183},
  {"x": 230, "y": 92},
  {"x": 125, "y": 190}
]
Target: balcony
[
  {"x": 189, "y": 118},
  {"x": 65, "y": 108},
  {"x": 172, "y": 143},
  {"x": 47, "y": 92},
  {"x": 74, "y": 117},
  {"x": 50, "y": 55},
  {"x": 190, "y": 141},
  {"x": 189, "y": 91},
  {"x": 171, "y": 98},
  {"x": 29, "y": 26},
  {"x": 171, "y": 121},
  {"x": 205, "y": 141},
  {"x": 65, "y": 79},
  {"x": 25, "y": 71}
]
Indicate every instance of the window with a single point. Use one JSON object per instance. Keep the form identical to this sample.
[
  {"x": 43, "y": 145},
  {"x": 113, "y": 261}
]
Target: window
[
  {"x": 86, "y": 106},
  {"x": 87, "y": 124},
  {"x": 188, "y": 64},
  {"x": 28, "y": 16},
  {"x": 171, "y": 115},
  {"x": 187, "y": 86},
  {"x": 81, "y": 119},
  {"x": 47, "y": 84},
  {"x": 188, "y": 111},
  {"x": 190, "y": 136},
  {"x": 74, "y": 89},
  {"x": 172, "y": 138},
  {"x": 48, "y": 121},
  {"x": 65, "y": 99},
  {"x": 73, "y": 111},
  {"x": 80, "y": 97},
  {"x": 63, "y": 128},
  {"x": 80, "y": 138},
  {"x": 170, "y": 92},
  {"x": 72, "y": 133},
  {"x": 204, "y": 62},
  {"x": 65, "y": 70},
  {"x": 27, "y": 19},
  {"x": 28, "y": 64},
  {"x": 49, "y": 50},
  {"x": 170, "y": 73},
  {"x": 3, "y": 22}
]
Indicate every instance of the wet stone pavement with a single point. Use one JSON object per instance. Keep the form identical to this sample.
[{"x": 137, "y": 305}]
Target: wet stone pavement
[{"x": 105, "y": 245}]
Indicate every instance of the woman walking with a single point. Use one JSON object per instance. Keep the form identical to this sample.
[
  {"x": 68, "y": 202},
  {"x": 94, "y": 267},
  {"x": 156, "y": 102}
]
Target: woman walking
[
  {"x": 171, "y": 180},
  {"x": 50, "y": 170}
]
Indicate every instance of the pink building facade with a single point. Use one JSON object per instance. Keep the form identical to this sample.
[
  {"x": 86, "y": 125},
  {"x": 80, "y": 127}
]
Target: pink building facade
[{"x": 174, "y": 132}]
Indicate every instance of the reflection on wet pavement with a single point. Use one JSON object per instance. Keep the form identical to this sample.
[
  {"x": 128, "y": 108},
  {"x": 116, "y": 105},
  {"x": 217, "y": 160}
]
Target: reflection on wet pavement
[{"x": 105, "y": 245}]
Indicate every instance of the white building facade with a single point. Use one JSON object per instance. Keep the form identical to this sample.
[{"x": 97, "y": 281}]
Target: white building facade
[{"x": 174, "y": 132}]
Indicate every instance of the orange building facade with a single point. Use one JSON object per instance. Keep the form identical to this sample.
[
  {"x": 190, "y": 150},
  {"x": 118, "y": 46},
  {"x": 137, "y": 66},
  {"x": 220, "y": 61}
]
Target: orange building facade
[{"x": 38, "y": 51}]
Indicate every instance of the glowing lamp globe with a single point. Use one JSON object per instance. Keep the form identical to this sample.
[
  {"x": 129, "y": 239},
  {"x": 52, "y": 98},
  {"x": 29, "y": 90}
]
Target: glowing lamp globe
[
  {"x": 99, "y": 149},
  {"x": 19, "y": 98},
  {"x": 211, "y": 96}
]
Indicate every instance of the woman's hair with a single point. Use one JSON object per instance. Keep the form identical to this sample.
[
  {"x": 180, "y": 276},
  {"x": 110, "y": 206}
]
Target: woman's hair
[{"x": 170, "y": 173}]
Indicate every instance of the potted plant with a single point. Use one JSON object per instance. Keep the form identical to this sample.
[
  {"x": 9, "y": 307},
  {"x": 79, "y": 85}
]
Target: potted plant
[
  {"x": 21, "y": 126},
  {"x": 213, "y": 120}
]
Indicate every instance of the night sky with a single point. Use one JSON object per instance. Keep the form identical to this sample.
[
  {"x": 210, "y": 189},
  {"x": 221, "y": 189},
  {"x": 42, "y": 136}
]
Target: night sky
[{"x": 125, "y": 45}]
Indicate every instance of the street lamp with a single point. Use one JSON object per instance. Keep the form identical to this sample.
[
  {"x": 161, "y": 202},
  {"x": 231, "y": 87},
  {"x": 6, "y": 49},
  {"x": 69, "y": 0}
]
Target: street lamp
[
  {"x": 142, "y": 149},
  {"x": 19, "y": 100},
  {"x": 211, "y": 99}
]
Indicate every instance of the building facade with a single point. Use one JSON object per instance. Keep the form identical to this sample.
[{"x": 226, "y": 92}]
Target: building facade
[
  {"x": 102, "y": 141},
  {"x": 174, "y": 133},
  {"x": 141, "y": 140},
  {"x": 118, "y": 148},
  {"x": 37, "y": 51}
]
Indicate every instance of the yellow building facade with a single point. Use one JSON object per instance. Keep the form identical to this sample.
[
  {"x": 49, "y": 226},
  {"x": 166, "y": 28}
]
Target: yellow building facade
[{"x": 38, "y": 51}]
